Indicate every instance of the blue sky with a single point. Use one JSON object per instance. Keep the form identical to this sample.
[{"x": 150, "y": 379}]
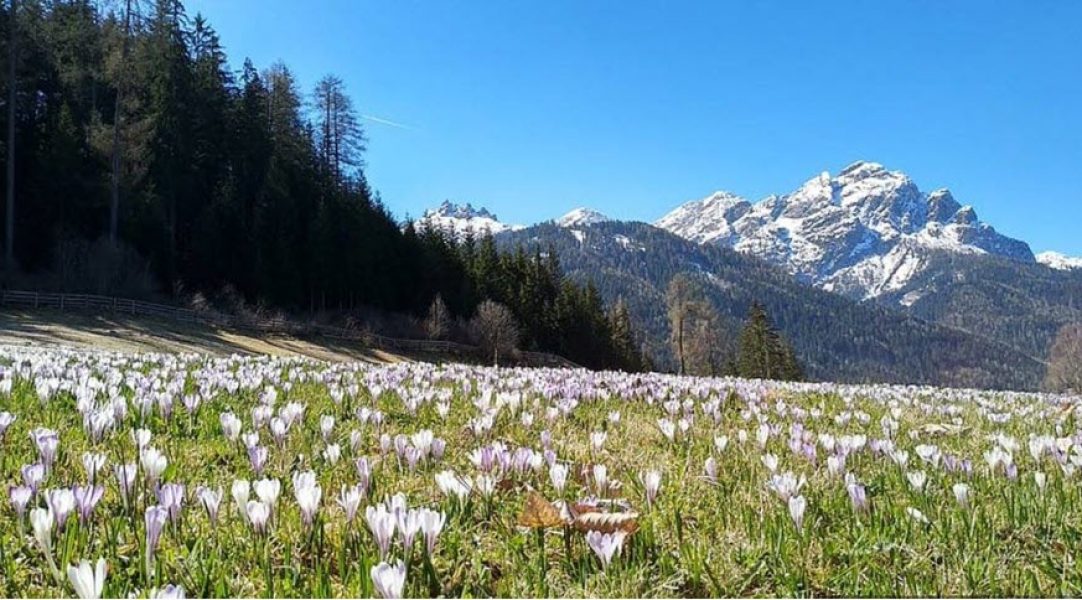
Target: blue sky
[{"x": 534, "y": 108}]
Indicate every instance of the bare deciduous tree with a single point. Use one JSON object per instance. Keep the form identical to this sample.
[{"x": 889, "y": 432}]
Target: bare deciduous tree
[
  {"x": 696, "y": 337},
  {"x": 438, "y": 322},
  {"x": 495, "y": 329},
  {"x": 1065, "y": 360}
]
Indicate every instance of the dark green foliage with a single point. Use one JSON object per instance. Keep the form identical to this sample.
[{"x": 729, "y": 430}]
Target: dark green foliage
[
  {"x": 763, "y": 353},
  {"x": 232, "y": 184}
]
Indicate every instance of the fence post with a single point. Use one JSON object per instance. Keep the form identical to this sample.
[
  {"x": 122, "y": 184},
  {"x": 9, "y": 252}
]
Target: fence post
[{"x": 61, "y": 301}]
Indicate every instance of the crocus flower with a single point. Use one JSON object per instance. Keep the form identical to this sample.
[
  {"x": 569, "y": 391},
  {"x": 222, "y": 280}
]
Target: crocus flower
[
  {"x": 155, "y": 518},
  {"x": 710, "y": 470},
  {"x": 41, "y": 520},
  {"x": 651, "y": 483},
  {"x": 230, "y": 425},
  {"x": 61, "y": 503},
  {"x": 6, "y": 419},
  {"x": 605, "y": 545},
  {"x": 308, "y": 493},
  {"x": 431, "y": 525},
  {"x": 453, "y": 486},
  {"x": 20, "y": 496},
  {"x": 558, "y": 476},
  {"x": 916, "y": 515},
  {"x": 33, "y": 475},
  {"x": 86, "y": 498},
  {"x": 88, "y": 581},
  {"x": 350, "y": 500},
  {"x": 389, "y": 580},
  {"x": 857, "y": 496},
  {"x": 125, "y": 477},
  {"x": 408, "y": 523},
  {"x": 797, "y": 505},
  {"x": 917, "y": 479},
  {"x": 382, "y": 524},
  {"x": 211, "y": 501},
  {"x": 268, "y": 491},
  {"x": 258, "y": 513},
  {"x": 171, "y": 497},
  {"x": 154, "y": 463},
  {"x": 169, "y": 592},
  {"x": 332, "y": 453},
  {"x": 601, "y": 478},
  {"x": 1040, "y": 479},
  {"x": 961, "y": 494},
  {"x": 47, "y": 442},
  {"x": 364, "y": 472},
  {"x": 257, "y": 456},
  {"x": 92, "y": 463}
]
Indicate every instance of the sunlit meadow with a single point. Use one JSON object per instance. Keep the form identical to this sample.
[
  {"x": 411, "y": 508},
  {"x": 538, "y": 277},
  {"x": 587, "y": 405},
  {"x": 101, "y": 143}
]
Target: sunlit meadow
[{"x": 168, "y": 475}]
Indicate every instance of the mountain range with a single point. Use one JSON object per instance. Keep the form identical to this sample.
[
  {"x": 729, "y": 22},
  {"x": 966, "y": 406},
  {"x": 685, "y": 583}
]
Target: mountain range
[{"x": 867, "y": 236}]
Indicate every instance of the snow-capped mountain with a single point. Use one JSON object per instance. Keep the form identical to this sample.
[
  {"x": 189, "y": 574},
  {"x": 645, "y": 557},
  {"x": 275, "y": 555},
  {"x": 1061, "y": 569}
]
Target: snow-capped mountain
[
  {"x": 865, "y": 232},
  {"x": 1059, "y": 261},
  {"x": 458, "y": 219},
  {"x": 581, "y": 217}
]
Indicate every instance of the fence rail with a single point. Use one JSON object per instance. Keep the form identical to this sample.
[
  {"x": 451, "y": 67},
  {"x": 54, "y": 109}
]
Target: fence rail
[{"x": 97, "y": 303}]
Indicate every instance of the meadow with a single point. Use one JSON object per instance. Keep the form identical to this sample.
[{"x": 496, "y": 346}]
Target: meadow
[{"x": 166, "y": 475}]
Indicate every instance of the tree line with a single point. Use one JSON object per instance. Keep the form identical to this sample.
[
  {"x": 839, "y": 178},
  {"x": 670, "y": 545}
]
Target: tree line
[
  {"x": 139, "y": 162},
  {"x": 142, "y": 163}
]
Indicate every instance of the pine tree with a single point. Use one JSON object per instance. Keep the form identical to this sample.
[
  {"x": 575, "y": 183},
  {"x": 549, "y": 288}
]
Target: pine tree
[{"x": 763, "y": 353}]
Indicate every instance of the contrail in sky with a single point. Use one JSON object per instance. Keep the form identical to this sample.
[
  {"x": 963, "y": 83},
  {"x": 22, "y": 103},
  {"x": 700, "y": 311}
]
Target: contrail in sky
[{"x": 387, "y": 122}]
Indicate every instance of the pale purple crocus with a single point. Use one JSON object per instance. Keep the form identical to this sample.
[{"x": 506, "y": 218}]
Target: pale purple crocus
[
  {"x": 431, "y": 525},
  {"x": 33, "y": 475},
  {"x": 382, "y": 524},
  {"x": 125, "y": 477},
  {"x": 171, "y": 497},
  {"x": 47, "y": 442},
  {"x": 258, "y": 513},
  {"x": 605, "y": 545},
  {"x": 211, "y": 501},
  {"x": 92, "y": 463},
  {"x": 61, "y": 503},
  {"x": 350, "y": 500},
  {"x": 257, "y": 456},
  {"x": 797, "y": 506},
  {"x": 389, "y": 580},
  {"x": 155, "y": 518},
  {"x": 86, "y": 498},
  {"x": 858, "y": 496},
  {"x": 20, "y": 496},
  {"x": 364, "y": 473}
]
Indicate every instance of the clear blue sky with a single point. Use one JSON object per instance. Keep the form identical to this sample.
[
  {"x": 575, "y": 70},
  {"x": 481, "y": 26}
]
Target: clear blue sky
[{"x": 534, "y": 108}]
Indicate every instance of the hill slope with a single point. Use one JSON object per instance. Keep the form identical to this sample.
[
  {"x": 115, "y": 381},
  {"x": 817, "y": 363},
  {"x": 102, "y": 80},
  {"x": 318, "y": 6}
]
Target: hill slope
[{"x": 836, "y": 338}]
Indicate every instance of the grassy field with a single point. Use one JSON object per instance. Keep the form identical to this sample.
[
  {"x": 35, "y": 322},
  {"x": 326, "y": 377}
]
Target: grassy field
[{"x": 274, "y": 476}]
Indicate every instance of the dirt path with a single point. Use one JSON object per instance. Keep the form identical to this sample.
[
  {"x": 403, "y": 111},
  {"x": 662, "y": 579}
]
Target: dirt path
[{"x": 146, "y": 334}]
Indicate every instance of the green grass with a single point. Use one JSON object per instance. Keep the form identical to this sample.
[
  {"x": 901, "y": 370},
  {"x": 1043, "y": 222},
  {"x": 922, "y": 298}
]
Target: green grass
[{"x": 732, "y": 537}]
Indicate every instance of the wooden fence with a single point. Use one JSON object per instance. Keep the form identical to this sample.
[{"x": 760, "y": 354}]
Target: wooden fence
[{"x": 96, "y": 303}]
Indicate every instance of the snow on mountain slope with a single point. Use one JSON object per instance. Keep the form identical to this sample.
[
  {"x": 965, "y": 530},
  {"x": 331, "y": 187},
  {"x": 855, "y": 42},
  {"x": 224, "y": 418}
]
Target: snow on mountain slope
[
  {"x": 1059, "y": 261},
  {"x": 708, "y": 220},
  {"x": 581, "y": 217},
  {"x": 458, "y": 219},
  {"x": 863, "y": 233}
]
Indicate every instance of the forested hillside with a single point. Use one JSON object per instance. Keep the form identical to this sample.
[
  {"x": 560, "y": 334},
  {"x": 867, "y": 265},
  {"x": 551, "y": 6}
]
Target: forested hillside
[
  {"x": 145, "y": 163},
  {"x": 835, "y": 338}
]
